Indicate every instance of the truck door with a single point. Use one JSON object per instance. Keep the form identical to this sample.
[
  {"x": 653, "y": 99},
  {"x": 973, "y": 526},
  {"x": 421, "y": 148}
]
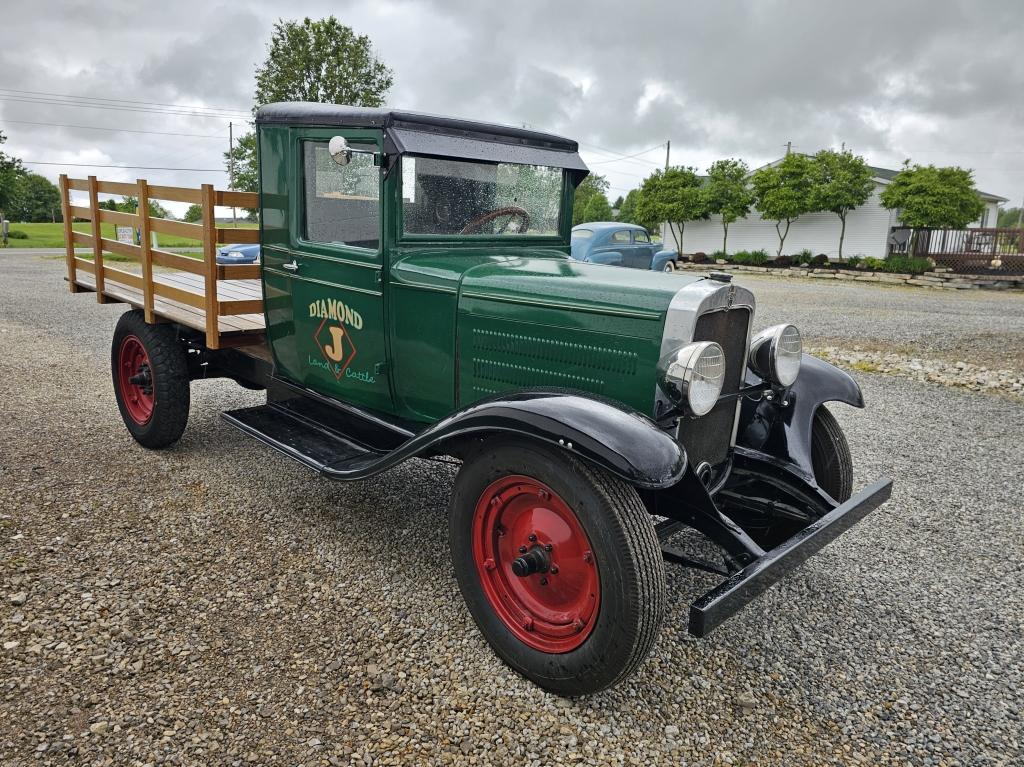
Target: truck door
[{"x": 329, "y": 337}]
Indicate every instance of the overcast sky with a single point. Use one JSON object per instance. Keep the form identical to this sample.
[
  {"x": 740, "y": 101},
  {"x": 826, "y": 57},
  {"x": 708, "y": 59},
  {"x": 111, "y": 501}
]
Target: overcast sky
[{"x": 936, "y": 81}]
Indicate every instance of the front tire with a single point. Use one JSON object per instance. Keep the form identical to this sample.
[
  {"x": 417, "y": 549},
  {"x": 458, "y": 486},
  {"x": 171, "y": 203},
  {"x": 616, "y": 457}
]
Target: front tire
[
  {"x": 151, "y": 380},
  {"x": 830, "y": 456},
  {"x": 558, "y": 563},
  {"x": 669, "y": 267}
]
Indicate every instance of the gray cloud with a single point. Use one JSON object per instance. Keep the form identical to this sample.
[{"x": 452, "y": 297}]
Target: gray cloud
[{"x": 934, "y": 81}]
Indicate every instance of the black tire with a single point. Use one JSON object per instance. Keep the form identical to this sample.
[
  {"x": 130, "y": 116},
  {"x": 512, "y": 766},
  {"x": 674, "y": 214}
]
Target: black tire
[
  {"x": 630, "y": 571},
  {"x": 669, "y": 267},
  {"x": 169, "y": 387},
  {"x": 830, "y": 456}
]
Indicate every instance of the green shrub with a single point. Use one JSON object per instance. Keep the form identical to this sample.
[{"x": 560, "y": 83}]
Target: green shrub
[
  {"x": 17, "y": 234},
  {"x": 874, "y": 264},
  {"x": 720, "y": 254},
  {"x": 853, "y": 262},
  {"x": 804, "y": 256},
  {"x": 750, "y": 258},
  {"x": 906, "y": 265}
]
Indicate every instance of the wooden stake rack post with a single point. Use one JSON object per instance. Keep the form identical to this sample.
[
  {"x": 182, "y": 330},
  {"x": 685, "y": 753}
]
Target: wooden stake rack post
[{"x": 223, "y": 301}]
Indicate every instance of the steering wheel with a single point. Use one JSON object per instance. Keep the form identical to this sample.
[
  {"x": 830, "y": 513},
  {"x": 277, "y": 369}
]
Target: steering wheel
[{"x": 511, "y": 212}]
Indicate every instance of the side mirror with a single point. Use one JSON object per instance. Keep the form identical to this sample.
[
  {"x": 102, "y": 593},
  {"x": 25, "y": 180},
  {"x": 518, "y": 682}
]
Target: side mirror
[{"x": 339, "y": 150}]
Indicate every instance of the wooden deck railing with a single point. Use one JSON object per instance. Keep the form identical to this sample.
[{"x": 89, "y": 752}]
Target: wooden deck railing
[
  {"x": 207, "y": 233},
  {"x": 999, "y": 249}
]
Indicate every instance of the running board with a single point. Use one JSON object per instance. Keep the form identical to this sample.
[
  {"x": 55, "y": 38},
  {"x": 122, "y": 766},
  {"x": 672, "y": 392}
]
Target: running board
[{"x": 311, "y": 444}]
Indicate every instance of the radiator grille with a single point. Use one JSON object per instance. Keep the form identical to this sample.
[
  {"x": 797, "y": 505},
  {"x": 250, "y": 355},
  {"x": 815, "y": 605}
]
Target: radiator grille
[{"x": 709, "y": 437}]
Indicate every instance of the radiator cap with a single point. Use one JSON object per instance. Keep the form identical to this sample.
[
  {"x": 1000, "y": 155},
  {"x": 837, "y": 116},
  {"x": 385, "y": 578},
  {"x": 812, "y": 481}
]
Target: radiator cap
[{"x": 721, "y": 276}]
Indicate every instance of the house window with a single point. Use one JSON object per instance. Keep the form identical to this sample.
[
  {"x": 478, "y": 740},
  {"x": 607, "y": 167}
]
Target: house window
[
  {"x": 342, "y": 202},
  {"x": 984, "y": 218}
]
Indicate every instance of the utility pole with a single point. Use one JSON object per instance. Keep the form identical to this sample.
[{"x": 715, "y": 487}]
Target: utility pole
[
  {"x": 1020, "y": 215},
  {"x": 231, "y": 169},
  {"x": 668, "y": 150},
  {"x": 789, "y": 148}
]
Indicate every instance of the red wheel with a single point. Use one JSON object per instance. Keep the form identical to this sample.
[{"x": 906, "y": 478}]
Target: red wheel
[
  {"x": 558, "y": 563},
  {"x": 135, "y": 379},
  {"x": 150, "y": 373},
  {"x": 536, "y": 564}
]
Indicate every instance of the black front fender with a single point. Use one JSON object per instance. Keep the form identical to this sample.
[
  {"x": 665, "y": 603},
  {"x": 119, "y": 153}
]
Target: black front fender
[
  {"x": 782, "y": 426},
  {"x": 596, "y": 430}
]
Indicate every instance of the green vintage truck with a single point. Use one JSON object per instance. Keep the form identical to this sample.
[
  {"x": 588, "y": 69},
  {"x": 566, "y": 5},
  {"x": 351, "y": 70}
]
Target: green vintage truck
[{"x": 416, "y": 298}]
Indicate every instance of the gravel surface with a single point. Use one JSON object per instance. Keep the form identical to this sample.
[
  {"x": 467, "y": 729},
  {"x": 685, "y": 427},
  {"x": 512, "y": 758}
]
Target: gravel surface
[{"x": 216, "y": 604}]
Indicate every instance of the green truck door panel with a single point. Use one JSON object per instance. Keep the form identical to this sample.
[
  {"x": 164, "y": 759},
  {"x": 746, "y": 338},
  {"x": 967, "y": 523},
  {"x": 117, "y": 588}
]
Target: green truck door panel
[{"x": 333, "y": 340}]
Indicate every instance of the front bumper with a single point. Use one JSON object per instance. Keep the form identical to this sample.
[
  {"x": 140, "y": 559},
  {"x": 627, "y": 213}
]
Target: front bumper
[{"x": 744, "y": 585}]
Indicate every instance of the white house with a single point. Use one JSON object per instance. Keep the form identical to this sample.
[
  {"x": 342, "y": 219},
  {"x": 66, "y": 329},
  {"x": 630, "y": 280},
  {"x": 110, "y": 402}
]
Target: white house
[{"x": 867, "y": 229}]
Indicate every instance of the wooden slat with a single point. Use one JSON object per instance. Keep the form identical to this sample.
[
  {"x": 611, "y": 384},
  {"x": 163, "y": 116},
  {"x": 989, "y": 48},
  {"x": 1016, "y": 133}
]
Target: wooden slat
[
  {"x": 252, "y": 306},
  {"x": 147, "y": 250},
  {"x": 81, "y": 238},
  {"x": 69, "y": 237},
  {"x": 77, "y": 211},
  {"x": 119, "y": 275},
  {"x": 210, "y": 266},
  {"x": 231, "y": 234},
  {"x": 239, "y": 272},
  {"x": 177, "y": 261},
  {"x": 177, "y": 294},
  {"x": 119, "y": 217},
  {"x": 179, "y": 228},
  {"x": 85, "y": 266},
  {"x": 231, "y": 199},
  {"x": 175, "y": 193},
  {"x": 122, "y": 248},
  {"x": 81, "y": 184},
  {"x": 117, "y": 187},
  {"x": 97, "y": 247}
]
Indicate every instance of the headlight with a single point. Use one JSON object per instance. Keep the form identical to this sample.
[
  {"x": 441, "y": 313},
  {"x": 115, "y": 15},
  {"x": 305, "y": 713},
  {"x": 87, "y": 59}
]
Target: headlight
[
  {"x": 775, "y": 354},
  {"x": 694, "y": 373}
]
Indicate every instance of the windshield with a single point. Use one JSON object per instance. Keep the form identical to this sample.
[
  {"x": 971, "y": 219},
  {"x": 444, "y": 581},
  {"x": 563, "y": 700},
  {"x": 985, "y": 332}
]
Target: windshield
[{"x": 443, "y": 196}]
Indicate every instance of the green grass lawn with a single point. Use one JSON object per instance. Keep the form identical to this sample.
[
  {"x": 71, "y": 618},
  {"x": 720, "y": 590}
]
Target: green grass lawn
[{"x": 52, "y": 235}]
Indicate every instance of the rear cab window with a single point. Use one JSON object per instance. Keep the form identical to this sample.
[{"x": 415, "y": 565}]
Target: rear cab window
[{"x": 641, "y": 236}]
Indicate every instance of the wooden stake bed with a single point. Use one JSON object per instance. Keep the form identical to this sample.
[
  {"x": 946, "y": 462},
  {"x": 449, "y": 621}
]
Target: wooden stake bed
[{"x": 225, "y": 302}]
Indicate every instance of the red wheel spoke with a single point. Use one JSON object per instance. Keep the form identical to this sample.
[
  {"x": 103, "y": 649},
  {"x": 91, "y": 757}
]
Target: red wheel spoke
[{"x": 536, "y": 564}]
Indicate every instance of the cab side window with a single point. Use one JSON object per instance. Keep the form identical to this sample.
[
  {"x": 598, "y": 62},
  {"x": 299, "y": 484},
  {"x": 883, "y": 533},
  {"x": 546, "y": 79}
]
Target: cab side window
[
  {"x": 621, "y": 236},
  {"x": 639, "y": 236},
  {"x": 341, "y": 202}
]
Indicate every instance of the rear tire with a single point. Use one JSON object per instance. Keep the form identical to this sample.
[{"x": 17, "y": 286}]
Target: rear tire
[
  {"x": 151, "y": 380},
  {"x": 590, "y": 619},
  {"x": 830, "y": 456}
]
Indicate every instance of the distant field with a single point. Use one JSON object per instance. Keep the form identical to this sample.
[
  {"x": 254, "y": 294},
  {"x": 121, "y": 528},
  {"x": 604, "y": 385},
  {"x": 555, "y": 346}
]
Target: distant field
[{"x": 52, "y": 235}]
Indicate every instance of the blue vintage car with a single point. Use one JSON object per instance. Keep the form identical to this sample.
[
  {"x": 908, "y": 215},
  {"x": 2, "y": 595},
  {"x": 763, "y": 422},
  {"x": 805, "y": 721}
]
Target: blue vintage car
[
  {"x": 607, "y": 242},
  {"x": 238, "y": 254}
]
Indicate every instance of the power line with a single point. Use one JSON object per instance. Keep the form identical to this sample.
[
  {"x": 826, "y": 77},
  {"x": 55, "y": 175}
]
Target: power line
[
  {"x": 114, "y": 108},
  {"x": 630, "y": 156},
  {"x": 79, "y": 97},
  {"x": 115, "y": 130},
  {"x": 128, "y": 167},
  {"x": 622, "y": 155}
]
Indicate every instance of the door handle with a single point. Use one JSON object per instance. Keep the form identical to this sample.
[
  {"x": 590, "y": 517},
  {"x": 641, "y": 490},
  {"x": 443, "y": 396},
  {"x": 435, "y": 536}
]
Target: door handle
[{"x": 292, "y": 267}]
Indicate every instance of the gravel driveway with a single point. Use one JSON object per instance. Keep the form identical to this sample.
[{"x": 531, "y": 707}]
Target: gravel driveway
[{"x": 216, "y": 603}]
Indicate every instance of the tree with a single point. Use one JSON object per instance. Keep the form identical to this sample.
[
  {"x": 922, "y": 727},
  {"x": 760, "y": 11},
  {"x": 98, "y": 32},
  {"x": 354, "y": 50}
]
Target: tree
[
  {"x": 11, "y": 171},
  {"x": 842, "y": 182},
  {"x": 194, "y": 213},
  {"x": 674, "y": 196},
  {"x": 728, "y": 193},
  {"x": 130, "y": 204},
  {"x": 1009, "y": 218},
  {"x": 310, "y": 60},
  {"x": 590, "y": 187},
  {"x": 619, "y": 201},
  {"x": 782, "y": 192},
  {"x": 930, "y": 197},
  {"x": 597, "y": 209},
  {"x": 36, "y": 200}
]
